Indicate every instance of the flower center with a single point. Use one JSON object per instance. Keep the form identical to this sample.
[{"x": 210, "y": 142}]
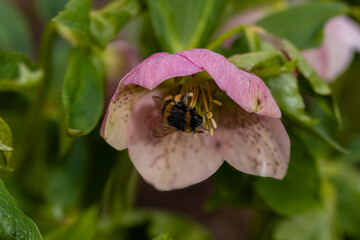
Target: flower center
[{"x": 200, "y": 89}]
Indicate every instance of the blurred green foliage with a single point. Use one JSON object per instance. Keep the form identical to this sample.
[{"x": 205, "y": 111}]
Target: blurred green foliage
[{"x": 74, "y": 186}]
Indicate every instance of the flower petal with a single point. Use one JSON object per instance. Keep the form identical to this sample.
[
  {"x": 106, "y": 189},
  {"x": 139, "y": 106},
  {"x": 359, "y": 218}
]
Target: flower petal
[
  {"x": 246, "y": 89},
  {"x": 159, "y": 67},
  {"x": 252, "y": 144},
  {"x": 174, "y": 161},
  {"x": 114, "y": 128},
  {"x": 341, "y": 39}
]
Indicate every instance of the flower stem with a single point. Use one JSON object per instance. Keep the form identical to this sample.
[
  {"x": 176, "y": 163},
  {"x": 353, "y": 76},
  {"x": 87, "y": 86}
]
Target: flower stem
[
  {"x": 35, "y": 121},
  {"x": 121, "y": 187},
  {"x": 223, "y": 37}
]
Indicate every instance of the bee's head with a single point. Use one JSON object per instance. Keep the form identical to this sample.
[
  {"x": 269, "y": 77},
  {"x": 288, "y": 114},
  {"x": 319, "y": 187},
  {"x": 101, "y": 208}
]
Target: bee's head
[{"x": 198, "y": 120}]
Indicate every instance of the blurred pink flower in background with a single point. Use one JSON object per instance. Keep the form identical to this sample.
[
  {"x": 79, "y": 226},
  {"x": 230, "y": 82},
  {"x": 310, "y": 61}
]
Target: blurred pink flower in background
[
  {"x": 341, "y": 40},
  {"x": 119, "y": 58},
  {"x": 248, "y": 134},
  {"x": 249, "y": 16}
]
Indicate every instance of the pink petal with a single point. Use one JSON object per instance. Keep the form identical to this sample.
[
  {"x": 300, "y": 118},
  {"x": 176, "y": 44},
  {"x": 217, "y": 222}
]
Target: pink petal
[
  {"x": 175, "y": 161},
  {"x": 158, "y": 68},
  {"x": 252, "y": 144},
  {"x": 114, "y": 128},
  {"x": 341, "y": 39},
  {"x": 246, "y": 89}
]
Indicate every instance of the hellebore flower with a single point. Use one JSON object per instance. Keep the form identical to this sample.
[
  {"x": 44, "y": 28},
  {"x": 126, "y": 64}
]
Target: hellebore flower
[
  {"x": 245, "y": 129},
  {"x": 341, "y": 40}
]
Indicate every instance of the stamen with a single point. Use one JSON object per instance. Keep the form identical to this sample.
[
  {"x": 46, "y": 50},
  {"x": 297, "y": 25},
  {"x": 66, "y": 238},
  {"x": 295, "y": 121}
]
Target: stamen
[
  {"x": 209, "y": 115},
  {"x": 213, "y": 123},
  {"x": 210, "y": 98},
  {"x": 195, "y": 97},
  {"x": 211, "y": 131},
  {"x": 216, "y": 102},
  {"x": 204, "y": 99}
]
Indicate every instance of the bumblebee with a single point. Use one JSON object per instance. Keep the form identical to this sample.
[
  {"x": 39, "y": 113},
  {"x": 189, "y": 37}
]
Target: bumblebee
[{"x": 177, "y": 115}]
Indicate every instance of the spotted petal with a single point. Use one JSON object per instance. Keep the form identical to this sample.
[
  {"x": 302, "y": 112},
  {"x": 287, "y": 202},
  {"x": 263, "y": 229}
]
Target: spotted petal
[
  {"x": 252, "y": 144},
  {"x": 175, "y": 161},
  {"x": 114, "y": 128}
]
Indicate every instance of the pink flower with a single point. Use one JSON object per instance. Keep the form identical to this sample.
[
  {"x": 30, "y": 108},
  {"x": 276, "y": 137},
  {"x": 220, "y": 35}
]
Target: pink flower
[
  {"x": 245, "y": 130},
  {"x": 341, "y": 40}
]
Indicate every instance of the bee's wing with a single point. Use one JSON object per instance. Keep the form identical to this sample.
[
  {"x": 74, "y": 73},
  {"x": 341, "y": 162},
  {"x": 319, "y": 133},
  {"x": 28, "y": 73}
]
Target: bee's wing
[
  {"x": 159, "y": 102},
  {"x": 162, "y": 129}
]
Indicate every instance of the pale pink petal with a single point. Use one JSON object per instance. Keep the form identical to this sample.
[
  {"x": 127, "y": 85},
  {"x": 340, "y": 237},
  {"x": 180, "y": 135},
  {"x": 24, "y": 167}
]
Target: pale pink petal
[
  {"x": 341, "y": 39},
  {"x": 114, "y": 128},
  {"x": 252, "y": 144},
  {"x": 174, "y": 161},
  {"x": 246, "y": 89}
]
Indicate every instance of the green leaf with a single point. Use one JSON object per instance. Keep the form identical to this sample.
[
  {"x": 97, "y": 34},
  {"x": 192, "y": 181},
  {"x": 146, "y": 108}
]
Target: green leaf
[
  {"x": 14, "y": 30},
  {"x": 316, "y": 224},
  {"x": 5, "y": 140},
  {"x": 163, "y": 236},
  {"x": 48, "y": 8},
  {"x": 182, "y": 25},
  {"x": 107, "y": 22},
  {"x": 249, "y": 61},
  {"x": 83, "y": 92},
  {"x": 285, "y": 90},
  {"x": 14, "y": 224},
  {"x": 264, "y": 64},
  {"x": 84, "y": 227},
  {"x": 308, "y": 226},
  {"x": 179, "y": 227},
  {"x": 18, "y": 72},
  {"x": 303, "y": 25},
  {"x": 322, "y": 108},
  {"x": 346, "y": 178},
  {"x": 97, "y": 26},
  {"x": 76, "y": 15},
  {"x": 298, "y": 191},
  {"x": 228, "y": 194},
  {"x": 318, "y": 85},
  {"x": 158, "y": 222}
]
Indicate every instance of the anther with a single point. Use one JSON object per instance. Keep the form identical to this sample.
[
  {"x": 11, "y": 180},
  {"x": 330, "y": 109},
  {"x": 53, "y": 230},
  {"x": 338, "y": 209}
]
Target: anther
[
  {"x": 213, "y": 123},
  {"x": 216, "y": 102}
]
